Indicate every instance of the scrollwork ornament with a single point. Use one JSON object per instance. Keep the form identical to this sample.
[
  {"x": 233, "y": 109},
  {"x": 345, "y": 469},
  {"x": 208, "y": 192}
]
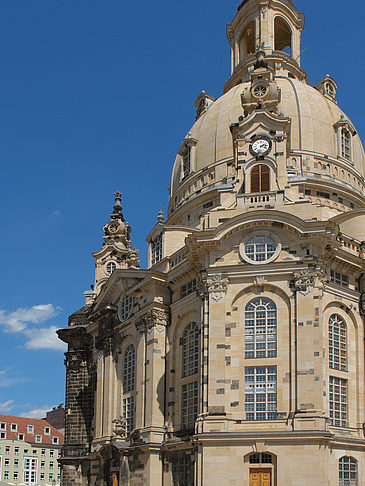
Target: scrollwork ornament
[
  {"x": 217, "y": 286},
  {"x": 304, "y": 280},
  {"x": 155, "y": 319}
]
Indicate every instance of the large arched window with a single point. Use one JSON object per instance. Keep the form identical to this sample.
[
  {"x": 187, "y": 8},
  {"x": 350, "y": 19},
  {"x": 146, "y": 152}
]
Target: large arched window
[
  {"x": 347, "y": 471},
  {"x": 337, "y": 343},
  {"x": 260, "y": 329},
  {"x": 260, "y": 178},
  {"x": 129, "y": 371},
  {"x": 283, "y": 36},
  {"x": 190, "y": 350},
  {"x": 247, "y": 41}
]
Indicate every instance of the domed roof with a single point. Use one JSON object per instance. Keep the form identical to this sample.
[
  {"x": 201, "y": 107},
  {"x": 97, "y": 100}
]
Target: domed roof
[{"x": 313, "y": 127}]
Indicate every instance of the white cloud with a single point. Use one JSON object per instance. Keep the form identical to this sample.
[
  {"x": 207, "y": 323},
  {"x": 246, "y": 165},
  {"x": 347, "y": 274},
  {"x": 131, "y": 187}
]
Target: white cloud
[
  {"x": 16, "y": 321},
  {"x": 44, "y": 339},
  {"x": 37, "y": 413},
  {"x": 10, "y": 378},
  {"x": 6, "y": 407}
]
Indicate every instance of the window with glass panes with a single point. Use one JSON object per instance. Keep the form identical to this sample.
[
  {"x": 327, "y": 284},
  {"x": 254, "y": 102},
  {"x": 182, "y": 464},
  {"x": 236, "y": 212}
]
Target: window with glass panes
[
  {"x": 156, "y": 250},
  {"x": 190, "y": 350},
  {"x": 260, "y": 329},
  {"x": 337, "y": 343},
  {"x": 346, "y": 143},
  {"x": 182, "y": 471},
  {"x": 338, "y": 401},
  {"x": 339, "y": 278},
  {"x": 189, "y": 405},
  {"x": 129, "y": 412},
  {"x": 347, "y": 471},
  {"x": 260, "y": 392},
  {"x": 30, "y": 470},
  {"x": 129, "y": 367},
  {"x": 260, "y": 248},
  {"x": 186, "y": 156}
]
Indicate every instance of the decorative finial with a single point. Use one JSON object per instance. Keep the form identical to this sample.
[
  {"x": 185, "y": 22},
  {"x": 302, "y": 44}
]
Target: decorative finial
[
  {"x": 161, "y": 217},
  {"x": 117, "y": 208}
]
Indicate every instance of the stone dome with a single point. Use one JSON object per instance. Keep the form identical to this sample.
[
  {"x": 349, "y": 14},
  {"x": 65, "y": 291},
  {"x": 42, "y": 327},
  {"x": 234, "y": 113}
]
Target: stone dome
[{"x": 313, "y": 128}]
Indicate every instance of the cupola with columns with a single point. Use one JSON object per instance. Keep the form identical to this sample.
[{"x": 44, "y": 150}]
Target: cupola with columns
[{"x": 265, "y": 28}]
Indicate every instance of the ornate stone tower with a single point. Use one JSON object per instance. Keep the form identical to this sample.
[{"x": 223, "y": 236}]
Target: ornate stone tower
[{"x": 237, "y": 357}]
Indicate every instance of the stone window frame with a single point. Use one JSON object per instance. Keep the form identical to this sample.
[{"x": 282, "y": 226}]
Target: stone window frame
[
  {"x": 342, "y": 127},
  {"x": 157, "y": 245},
  {"x": 129, "y": 385},
  {"x": 352, "y": 471},
  {"x": 254, "y": 353},
  {"x": 189, "y": 404},
  {"x": 252, "y": 390},
  {"x": 187, "y": 148},
  {"x": 180, "y": 384},
  {"x": 182, "y": 469},
  {"x": 109, "y": 267},
  {"x": 337, "y": 343},
  {"x": 339, "y": 405},
  {"x": 254, "y": 234},
  {"x": 190, "y": 348},
  {"x": 257, "y": 162},
  {"x": 125, "y": 308}
]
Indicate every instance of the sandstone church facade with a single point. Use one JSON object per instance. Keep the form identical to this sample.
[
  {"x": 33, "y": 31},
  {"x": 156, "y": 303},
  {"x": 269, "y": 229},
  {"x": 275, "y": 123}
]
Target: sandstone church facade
[{"x": 237, "y": 357}]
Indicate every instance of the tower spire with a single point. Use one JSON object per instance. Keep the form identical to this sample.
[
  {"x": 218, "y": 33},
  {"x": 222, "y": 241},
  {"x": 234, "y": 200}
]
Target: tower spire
[{"x": 117, "y": 251}]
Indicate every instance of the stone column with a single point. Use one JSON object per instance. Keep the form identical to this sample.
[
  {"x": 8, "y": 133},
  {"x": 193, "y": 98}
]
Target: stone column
[
  {"x": 214, "y": 343},
  {"x": 80, "y": 380},
  {"x": 308, "y": 288}
]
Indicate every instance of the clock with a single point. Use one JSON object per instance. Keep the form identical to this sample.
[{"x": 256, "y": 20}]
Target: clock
[{"x": 260, "y": 145}]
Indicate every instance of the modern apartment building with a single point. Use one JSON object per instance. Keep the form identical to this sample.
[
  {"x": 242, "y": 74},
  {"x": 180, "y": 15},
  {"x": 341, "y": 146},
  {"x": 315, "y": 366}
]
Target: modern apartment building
[{"x": 29, "y": 451}]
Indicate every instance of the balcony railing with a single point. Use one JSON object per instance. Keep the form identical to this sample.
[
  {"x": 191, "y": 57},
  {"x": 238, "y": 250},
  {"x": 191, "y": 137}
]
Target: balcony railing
[{"x": 260, "y": 199}]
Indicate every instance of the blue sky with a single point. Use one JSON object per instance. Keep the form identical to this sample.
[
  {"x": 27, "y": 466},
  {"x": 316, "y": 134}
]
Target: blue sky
[{"x": 96, "y": 96}]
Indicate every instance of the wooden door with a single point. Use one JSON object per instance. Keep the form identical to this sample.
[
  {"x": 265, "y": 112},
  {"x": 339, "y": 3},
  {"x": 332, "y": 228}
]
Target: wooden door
[{"x": 260, "y": 477}]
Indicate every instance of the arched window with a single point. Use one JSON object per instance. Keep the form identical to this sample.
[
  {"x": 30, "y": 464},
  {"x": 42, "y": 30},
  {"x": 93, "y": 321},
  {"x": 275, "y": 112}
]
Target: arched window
[
  {"x": 190, "y": 350},
  {"x": 247, "y": 41},
  {"x": 346, "y": 143},
  {"x": 347, "y": 471},
  {"x": 260, "y": 329},
  {"x": 337, "y": 343},
  {"x": 129, "y": 369},
  {"x": 283, "y": 36},
  {"x": 260, "y": 178}
]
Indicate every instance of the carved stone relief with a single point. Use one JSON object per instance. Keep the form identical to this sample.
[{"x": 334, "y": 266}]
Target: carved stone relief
[
  {"x": 217, "y": 286},
  {"x": 155, "y": 319}
]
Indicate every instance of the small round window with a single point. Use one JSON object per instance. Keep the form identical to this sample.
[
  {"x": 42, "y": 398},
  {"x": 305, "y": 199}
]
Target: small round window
[
  {"x": 260, "y": 248},
  {"x": 260, "y": 90},
  {"x": 125, "y": 308},
  {"x": 110, "y": 267}
]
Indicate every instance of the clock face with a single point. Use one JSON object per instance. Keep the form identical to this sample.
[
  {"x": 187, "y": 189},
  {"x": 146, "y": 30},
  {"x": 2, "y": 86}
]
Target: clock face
[{"x": 261, "y": 146}]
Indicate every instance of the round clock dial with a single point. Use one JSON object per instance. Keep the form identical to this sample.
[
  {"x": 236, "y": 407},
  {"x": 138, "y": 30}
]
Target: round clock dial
[{"x": 260, "y": 146}]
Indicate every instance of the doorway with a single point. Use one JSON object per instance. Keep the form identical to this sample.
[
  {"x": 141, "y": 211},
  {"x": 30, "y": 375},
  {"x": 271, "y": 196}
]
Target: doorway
[{"x": 260, "y": 477}]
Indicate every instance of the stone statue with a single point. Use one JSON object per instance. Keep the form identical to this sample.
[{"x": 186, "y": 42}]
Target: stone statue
[{"x": 120, "y": 427}]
